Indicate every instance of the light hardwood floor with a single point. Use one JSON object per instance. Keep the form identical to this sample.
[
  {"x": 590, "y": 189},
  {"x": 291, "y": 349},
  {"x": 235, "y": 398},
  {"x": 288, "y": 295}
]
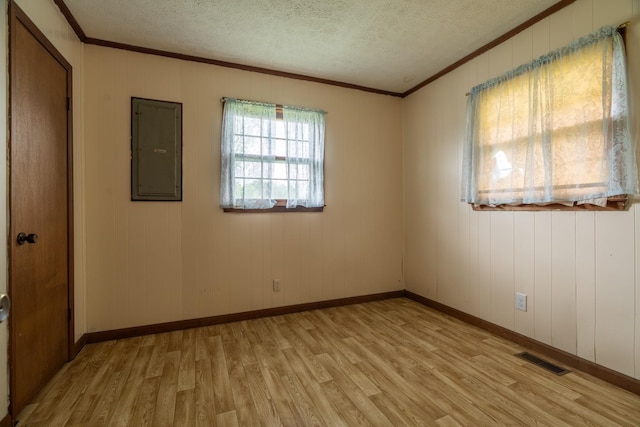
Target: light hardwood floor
[{"x": 385, "y": 363}]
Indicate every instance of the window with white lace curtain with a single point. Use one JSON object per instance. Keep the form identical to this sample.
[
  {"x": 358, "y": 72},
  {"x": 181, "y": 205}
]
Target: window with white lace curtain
[
  {"x": 272, "y": 157},
  {"x": 554, "y": 132}
]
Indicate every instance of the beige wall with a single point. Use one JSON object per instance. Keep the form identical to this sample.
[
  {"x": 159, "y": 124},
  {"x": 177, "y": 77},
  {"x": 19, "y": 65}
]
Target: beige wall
[
  {"x": 578, "y": 269},
  {"x": 151, "y": 262}
]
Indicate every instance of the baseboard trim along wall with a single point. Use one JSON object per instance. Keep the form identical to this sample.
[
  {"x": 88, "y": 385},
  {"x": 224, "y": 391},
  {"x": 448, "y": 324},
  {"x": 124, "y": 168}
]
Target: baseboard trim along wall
[
  {"x": 568, "y": 359},
  {"x": 93, "y": 337},
  {"x": 78, "y": 346},
  {"x": 620, "y": 380}
]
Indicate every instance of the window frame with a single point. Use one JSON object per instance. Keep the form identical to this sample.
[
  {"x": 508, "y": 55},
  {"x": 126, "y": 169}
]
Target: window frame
[
  {"x": 281, "y": 204},
  {"x": 614, "y": 203}
]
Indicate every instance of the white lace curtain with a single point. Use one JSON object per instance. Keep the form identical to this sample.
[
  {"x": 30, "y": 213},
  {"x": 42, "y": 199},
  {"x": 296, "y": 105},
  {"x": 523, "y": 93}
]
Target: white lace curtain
[
  {"x": 265, "y": 158},
  {"x": 305, "y": 156},
  {"x": 555, "y": 130}
]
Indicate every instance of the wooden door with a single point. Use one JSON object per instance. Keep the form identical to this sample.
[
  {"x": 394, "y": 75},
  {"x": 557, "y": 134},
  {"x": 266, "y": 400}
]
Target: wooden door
[{"x": 39, "y": 265}]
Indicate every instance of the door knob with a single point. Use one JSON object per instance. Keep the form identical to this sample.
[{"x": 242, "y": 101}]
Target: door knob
[
  {"x": 27, "y": 238},
  {"x": 5, "y": 307}
]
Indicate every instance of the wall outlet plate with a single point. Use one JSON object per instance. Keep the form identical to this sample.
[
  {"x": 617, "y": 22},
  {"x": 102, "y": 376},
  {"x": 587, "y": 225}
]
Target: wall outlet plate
[
  {"x": 276, "y": 285},
  {"x": 521, "y": 301}
]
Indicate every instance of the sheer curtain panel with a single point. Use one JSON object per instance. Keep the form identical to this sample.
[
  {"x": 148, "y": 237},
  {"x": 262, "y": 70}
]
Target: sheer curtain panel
[
  {"x": 304, "y": 157},
  {"x": 555, "y": 130},
  {"x": 247, "y": 155}
]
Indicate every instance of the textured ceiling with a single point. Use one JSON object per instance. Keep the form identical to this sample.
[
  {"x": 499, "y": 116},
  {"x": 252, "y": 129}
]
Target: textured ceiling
[{"x": 389, "y": 45}]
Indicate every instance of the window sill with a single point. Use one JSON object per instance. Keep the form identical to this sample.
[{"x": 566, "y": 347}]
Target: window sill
[
  {"x": 275, "y": 209},
  {"x": 614, "y": 203}
]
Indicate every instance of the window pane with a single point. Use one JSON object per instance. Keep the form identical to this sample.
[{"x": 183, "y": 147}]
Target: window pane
[
  {"x": 299, "y": 171},
  {"x": 280, "y": 147},
  {"x": 299, "y": 130},
  {"x": 239, "y": 186},
  {"x": 251, "y": 146},
  {"x": 238, "y": 144},
  {"x": 299, "y": 188},
  {"x": 253, "y": 189},
  {"x": 279, "y": 189},
  {"x": 280, "y": 129},
  {"x": 239, "y": 169},
  {"x": 280, "y": 170},
  {"x": 253, "y": 169},
  {"x": 266, "y": 147},
  {"x": 299, "y": 149},
  {"x": 251, "y": 126},
  {"x": 573, "y": 87}
]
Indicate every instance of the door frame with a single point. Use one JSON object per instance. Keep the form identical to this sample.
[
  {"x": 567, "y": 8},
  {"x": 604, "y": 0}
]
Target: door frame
[{"x": 18, "y": 15}]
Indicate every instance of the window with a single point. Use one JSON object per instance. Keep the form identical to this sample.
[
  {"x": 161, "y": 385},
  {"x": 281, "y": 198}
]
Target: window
[
  {"x": 554, "y": 131},
  {"x": 272, "y": 157}
]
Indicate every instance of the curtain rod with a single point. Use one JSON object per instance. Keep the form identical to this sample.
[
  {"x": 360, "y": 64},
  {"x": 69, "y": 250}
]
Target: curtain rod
[{"x": 224, "y": 98}]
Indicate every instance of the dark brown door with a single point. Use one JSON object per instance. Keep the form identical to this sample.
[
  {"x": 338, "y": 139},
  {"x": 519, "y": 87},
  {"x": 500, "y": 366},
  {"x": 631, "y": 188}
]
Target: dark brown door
[{"x": 39, "y": 268}]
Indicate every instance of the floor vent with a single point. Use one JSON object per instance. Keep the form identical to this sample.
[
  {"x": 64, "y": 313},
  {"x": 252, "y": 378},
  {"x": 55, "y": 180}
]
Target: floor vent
[{"x": 554, "y": 369}]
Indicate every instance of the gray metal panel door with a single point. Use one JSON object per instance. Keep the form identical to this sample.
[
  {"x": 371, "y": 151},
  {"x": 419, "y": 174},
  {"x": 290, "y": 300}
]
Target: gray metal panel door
[{"x": 156, "y": 150}]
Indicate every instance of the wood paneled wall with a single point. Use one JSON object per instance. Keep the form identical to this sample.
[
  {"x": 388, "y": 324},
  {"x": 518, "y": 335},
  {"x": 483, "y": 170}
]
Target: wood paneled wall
[
  {"x": 152, "y": 262},
  {"x": 580, "y": 270}
]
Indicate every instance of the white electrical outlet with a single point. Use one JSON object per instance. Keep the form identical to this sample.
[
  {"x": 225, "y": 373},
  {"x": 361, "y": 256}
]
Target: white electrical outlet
[
  {"x": 521, "y": 301},
  {"x": 276, "y": 285}
]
